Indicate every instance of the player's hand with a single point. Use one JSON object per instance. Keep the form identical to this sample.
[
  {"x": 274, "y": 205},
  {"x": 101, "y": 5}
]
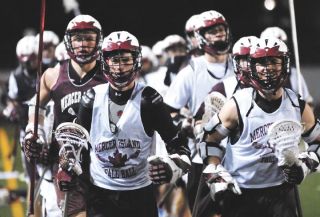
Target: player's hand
[
  {"x": 66, "y": 181},
  {"x": 45, "y": 157},
  {"x": 32, "y": 146},
  {"x": 168, "y": 169},
  {"x": 219, "y": 180},
  {"x": 293, "y": 174}
]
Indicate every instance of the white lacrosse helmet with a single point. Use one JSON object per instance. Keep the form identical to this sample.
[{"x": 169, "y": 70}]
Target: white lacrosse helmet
[
  {"x": 113, "y": 44},
  {"x": 158, "y": 48},
  {"x": 173, "y": 40},
  {"x": 147, "y": 53},
  {"x": 49, "y": 38},
  {"x": 61, "y": 52},
  {"x": 26, "y": 48},
  {"x": 191, "y": 23},
  {"x": 263, "y": 49},
  {"x": 83, "y": 23},
  {"x": 241, "y": 49},
  {"x": 276, "y": 32},
  {"x": 189, "y": 31},
  {"x": 208, "y": 19}
]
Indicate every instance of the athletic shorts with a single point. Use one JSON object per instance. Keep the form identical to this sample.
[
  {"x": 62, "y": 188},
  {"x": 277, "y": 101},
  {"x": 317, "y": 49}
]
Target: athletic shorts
[{"x": 134, "y": 203}]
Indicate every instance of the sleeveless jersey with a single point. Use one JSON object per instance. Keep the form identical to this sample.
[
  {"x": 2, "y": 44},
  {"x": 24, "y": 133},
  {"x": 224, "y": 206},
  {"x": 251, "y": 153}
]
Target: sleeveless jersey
[
  {"x": 230, "y": 85},
  {"x": 66, "y": 95},
  {"x": 251, "y": 160},
  {"x": 119, "y": 159},
  {"x": 194, "y": 82}
]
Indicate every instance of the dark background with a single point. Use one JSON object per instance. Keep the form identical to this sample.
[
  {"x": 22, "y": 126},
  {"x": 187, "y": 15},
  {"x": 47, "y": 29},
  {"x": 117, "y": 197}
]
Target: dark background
[{"x": 152, "y": 20}]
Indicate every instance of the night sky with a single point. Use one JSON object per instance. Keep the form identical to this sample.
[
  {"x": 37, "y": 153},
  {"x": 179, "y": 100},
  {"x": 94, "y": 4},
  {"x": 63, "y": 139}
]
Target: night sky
[{"x": 154, "y": 20}]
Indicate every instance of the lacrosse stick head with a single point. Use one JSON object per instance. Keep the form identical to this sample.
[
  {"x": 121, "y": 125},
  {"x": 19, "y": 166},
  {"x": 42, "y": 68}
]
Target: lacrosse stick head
[
  {"x": 72, "y": 134},
  {"x": 213, "y": 104},
  {"x": 285, "y": 136},
  {"x": 71, "y": 138}
]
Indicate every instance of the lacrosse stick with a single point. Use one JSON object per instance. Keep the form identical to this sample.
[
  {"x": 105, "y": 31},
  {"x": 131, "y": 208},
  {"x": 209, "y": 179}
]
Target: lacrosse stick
[
  {"x": 285, "y": 136},
  {"x": 71, "y": 138},
  {"x": 213, "y": 104}
]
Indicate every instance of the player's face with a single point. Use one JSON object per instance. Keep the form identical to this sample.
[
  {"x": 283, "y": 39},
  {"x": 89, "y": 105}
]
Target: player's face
[
  {"x": 215, "y": 33},
  {"x": 270, "y": 67},
  {"x": 48, "y": 52},
  {"x": 84, "y": 42},
  {"x": 122, "y": 62}
]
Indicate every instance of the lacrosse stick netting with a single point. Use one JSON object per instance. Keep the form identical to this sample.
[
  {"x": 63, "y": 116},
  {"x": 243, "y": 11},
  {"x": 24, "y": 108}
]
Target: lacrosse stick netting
[
  {"x": 71, "y": 138},
  {"x": 213, "y": 104},
  {"x": 285, "y": 136}
]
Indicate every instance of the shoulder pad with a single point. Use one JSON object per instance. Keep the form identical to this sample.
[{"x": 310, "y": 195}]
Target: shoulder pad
[
  {"x": 151, "y": 96},
  {"x": 88, "y": 98}
]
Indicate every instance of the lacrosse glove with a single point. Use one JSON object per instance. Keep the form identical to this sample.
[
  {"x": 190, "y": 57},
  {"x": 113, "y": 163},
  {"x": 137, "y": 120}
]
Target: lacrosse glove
[
  {"x": 219, "y": 180},
  {"x": 168, "y": 169},
  {"x": 32, "y": 145}
]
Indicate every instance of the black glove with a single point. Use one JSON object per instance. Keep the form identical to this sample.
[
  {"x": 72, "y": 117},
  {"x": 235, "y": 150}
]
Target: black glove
[
  {"x": 32, "y": 146},
  {"x": 293, "y": 174},
  {"x": 45, "y": 157}
]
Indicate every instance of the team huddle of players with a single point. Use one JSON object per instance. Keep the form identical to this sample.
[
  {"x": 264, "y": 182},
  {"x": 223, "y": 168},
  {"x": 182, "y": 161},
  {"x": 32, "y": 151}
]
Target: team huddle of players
[{"x": 177, "y": 130}]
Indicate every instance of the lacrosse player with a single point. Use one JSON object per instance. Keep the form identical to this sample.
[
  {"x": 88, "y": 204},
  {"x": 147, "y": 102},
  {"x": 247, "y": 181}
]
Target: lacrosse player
[
  {"x": 122, "y": 117},
  {"x": 292, "y": 81},
  {"x": 218, "y": 96},
  {"x": 245, "y": 179},
  {"x": 65, "y": 85},
  {"x": 195, "y": 81}
]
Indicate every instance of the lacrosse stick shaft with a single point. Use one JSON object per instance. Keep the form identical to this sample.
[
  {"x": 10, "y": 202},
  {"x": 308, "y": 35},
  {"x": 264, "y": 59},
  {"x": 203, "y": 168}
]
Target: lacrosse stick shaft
[
  {"x": 65, "y": 205},
  {"x": 36, "y": 118},
  {"x": 166, "y": 194},
  {"x": 295, "y": 44},
  {"x": 297, "y": 199},
  {"x": 37, "y": 188}
]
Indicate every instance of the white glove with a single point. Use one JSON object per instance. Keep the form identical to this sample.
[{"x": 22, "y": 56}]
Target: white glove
[
  {"x": 219, "y": 179},
  {"x": 168, "y": 169},
  {"x": 310, "y": 159}
]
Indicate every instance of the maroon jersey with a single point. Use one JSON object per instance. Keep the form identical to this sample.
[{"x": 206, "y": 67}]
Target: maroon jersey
[{"x": 66, "y": 94}]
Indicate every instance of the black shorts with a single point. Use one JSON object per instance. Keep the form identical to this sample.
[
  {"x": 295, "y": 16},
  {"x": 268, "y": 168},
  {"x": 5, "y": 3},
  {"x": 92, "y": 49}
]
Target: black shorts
[
  {"x": 277, "y": 201},
  {"x": 193, "y": 183},
  {"x": 134, "y": 203}
]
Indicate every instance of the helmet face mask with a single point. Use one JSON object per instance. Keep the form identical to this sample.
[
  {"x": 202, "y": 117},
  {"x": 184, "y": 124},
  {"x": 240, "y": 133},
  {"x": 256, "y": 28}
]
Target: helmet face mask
[
  {"x": 270, "y": 65},
  {"x": 83, "y": 39},
  {"x": 121, "y": 58}
]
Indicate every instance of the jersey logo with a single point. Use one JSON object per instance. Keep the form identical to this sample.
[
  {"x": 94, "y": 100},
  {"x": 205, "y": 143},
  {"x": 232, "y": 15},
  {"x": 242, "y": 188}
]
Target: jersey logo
[{"x": 70, "y": 99}]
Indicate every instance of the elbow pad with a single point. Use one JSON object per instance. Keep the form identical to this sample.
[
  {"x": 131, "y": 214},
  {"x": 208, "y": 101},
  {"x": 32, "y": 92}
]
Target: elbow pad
[
  {"x": 312, "y": 134},
  {"x": 210, "y": 149},
  {"x": 215, "y": 124},
  {"x": 151, "y": 97}
]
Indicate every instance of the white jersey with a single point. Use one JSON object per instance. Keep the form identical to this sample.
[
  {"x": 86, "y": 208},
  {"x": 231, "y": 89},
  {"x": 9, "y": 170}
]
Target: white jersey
[
  {"x": 251, "y": 160},
  {"x": 156, "y": 80},
  {"x": 230, "y": 86},
  {"x": 119, "y": 160},
  {"x": 194, "y": 82}
]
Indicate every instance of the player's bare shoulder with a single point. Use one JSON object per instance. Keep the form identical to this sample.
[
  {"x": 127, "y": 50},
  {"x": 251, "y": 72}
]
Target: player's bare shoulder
[{"x": 50, "y": 76}]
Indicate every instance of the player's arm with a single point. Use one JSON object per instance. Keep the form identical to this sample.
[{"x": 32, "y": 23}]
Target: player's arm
[
  {"x": 156, "y": 117},
  {"x": 218, "y": 128},
  {"x": 84, "y": 117},
  {"x": 33, "y": 146},
  {"x": 311, "y": 135}
]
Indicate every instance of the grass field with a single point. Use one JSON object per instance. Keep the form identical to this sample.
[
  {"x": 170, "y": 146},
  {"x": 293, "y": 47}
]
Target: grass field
[{"x": 309, "y": 190}]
